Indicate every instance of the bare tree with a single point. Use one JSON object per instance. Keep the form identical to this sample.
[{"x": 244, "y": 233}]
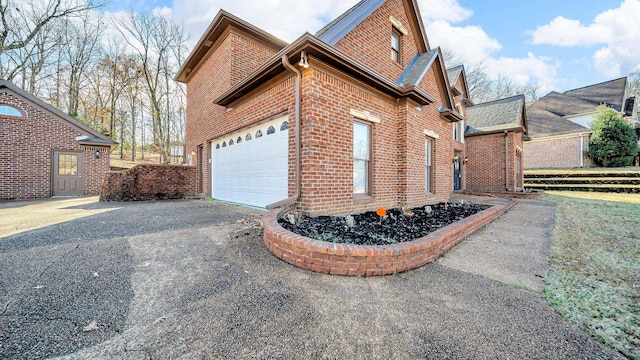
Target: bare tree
[
  {"x": 153, "y": 40},
  {"x": 22, "y": 20},
  {"x": 80, "y": 45}
]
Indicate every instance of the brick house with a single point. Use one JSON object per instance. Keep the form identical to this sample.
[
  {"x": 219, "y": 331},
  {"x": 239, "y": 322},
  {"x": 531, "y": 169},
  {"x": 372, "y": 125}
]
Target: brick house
[
  {"x": 559, "y": 123},
  {"x": 358, "y": 116},
  {"x": 45, "y": 152},
  {"x": 495, "y": 135}
]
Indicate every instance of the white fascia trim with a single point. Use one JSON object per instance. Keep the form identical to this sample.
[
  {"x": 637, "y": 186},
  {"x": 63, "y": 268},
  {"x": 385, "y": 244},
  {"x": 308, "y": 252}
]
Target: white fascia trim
[
  {"x": 364, "y": 115},
  {"x": 431, "y": 134}
]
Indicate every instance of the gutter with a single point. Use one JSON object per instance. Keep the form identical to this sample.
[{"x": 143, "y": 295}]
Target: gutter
[{"x": 296, "y": 195}]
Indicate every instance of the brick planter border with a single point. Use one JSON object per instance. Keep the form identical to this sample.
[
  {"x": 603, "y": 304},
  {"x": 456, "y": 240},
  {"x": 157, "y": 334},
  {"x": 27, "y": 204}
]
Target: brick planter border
[{"x": 369, "y": 260}]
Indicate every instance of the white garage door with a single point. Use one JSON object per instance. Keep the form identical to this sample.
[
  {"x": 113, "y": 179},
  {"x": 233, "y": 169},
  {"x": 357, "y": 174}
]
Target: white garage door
[{"x": 251, "y": 167}]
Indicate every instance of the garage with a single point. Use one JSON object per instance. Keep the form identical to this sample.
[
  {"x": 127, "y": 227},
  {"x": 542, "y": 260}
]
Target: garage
[{"x": 251, "y": 167}]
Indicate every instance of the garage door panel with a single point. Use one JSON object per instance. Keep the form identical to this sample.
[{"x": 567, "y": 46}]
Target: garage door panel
[{"x": 252, "y": 172}]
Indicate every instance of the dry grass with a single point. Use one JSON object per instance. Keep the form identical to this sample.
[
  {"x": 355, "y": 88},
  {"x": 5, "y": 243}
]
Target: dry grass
[
  {"x": 627, "y": 169},
  {"x": 594, "y": 280},
  {"x": 149, "y": 158}
]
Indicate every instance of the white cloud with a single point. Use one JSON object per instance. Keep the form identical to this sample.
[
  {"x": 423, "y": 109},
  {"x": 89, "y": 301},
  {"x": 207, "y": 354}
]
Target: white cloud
[
  {"x": 618, "y": 30},
  {"x": 541, "y": 70},
  {"x": 284, "y": 19},
  {"x": 469, "y": 43},
  {"x": 164, "y": 11},
  {"x": 446, "y": 10}
]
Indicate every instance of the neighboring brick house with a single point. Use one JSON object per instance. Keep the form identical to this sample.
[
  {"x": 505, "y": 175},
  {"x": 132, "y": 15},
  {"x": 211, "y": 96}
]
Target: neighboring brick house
[
  {"x": 45, "y": 152},
  {"x": 360, "y": 115},
  {"x": 559, "y": 123},
  {"x": 495, "y": 133}
]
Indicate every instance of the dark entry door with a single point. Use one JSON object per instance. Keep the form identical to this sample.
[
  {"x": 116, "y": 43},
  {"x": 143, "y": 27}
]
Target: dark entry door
[
  {"x": 68, "y": 171},
  {"x": 457, "y": 172}
]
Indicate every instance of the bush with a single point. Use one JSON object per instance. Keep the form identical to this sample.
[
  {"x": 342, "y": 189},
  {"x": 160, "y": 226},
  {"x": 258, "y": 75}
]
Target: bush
[{"x": 613, "y": 142}]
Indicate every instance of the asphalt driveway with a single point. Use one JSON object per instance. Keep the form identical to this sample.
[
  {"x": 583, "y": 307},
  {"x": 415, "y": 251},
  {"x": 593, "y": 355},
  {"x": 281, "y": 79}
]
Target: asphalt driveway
[{"x": 192, "y": 279}]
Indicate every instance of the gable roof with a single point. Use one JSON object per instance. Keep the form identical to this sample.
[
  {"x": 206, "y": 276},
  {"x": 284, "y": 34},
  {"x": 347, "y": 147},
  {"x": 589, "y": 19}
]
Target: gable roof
[
  {"x": 90, "y": 137},
  {"x": 343, "y": 24},
  {"x": 544, "y": 123},
  {"x": 315, "y": 48},
  {"x": 610, "y": 92},
  {"x": 497, "y": 116},
  {"x": 418, "y": 68},
  {"x": 217, "y": 27},
  {"x": 547, "y": 115}
]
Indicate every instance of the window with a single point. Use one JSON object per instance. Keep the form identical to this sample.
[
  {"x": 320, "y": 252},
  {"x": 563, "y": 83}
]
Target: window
[
  {"x": 284, "y": 126},
  {"x": 458, "y": 127},
  {"x": 428, "y": 165},
  {"x": 361, "y": 157},
  {"x": 458, "y": 131},
  {"x": 239, "y": 140},
  {"x": 67, "y": 164},
  {"x": 258, "y": 134},
  {"x": 230, "y": 142},
  {"x": 396, "y": 39},
  {"x": 248, "y": 137},
  {"x": 9, "y": 111},
  {"x": 217, "y": 146},
  {"x": 271, "y": 130},
  {"x": 224, "y": 144}
]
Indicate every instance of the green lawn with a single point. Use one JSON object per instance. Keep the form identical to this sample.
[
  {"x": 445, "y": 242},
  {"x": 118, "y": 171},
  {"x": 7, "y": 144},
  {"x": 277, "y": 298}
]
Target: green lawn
[{"x": 594, "y": 277}]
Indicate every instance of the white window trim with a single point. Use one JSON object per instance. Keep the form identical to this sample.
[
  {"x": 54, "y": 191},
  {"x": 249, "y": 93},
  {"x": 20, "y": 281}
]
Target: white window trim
[
  {"x": 364, "y": 115},
  {"x": 398, "y": 25},
  {"x": 431, "y": 134}
]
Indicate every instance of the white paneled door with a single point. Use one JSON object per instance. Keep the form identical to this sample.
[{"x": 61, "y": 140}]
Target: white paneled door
[{"x": 251, "y": 167}]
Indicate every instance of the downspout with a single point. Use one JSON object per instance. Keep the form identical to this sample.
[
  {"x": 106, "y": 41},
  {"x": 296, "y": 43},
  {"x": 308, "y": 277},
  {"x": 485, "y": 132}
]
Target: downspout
[
  {"x": 581, "y": 151},
  {"x": 506, "y": 159},
  {"x": 296, "y": 195}
]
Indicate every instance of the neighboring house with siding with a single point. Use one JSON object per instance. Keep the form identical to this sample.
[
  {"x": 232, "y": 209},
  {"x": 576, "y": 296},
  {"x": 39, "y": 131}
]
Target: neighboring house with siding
[
  {"x": 46, "y": 152},
  {"x": 361, "y": 115},
  {"x": 495, "y": 135},
  {"x": 559, "y": 123}
]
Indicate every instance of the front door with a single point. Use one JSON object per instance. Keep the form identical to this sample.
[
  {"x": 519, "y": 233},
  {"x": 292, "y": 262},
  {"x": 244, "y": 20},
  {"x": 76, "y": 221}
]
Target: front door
[
  {"x": 68, "y": 169},
  {"x": 457, "y": 173}
]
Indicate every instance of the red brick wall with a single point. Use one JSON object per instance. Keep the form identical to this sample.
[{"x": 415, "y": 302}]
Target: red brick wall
[
  {"x": 370, "y": 41},
  {"x": 150, "y": 182},
  {"x": 486, "y": 165},
  {"x": 235, "y": 58},
  {"x": 27, "y": 149},
  {"x": 398, "y": 148},
  {"x": 560, "y": 152}
]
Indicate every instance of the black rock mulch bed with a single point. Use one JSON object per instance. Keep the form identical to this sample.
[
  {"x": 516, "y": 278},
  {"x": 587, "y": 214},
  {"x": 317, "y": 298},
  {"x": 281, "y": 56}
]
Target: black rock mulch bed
[{"x": 370, "y": 229}]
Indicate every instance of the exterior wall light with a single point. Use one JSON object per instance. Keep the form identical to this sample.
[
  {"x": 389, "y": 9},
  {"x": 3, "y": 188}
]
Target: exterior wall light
[
  {"x": 303, "y": 60},
  {"x": 97, "y": 154}
]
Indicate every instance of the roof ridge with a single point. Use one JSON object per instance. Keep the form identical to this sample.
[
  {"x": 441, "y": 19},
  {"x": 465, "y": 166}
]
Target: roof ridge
[
  {"x": 596, "y": 84},
  {"x": 338, "y": 19}
]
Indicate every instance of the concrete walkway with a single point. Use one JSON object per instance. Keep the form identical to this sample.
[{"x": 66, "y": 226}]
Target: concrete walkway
[{"x": 514, "y": 249}]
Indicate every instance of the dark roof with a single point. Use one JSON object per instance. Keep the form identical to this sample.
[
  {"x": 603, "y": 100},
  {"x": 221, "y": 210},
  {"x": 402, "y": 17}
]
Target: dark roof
[
  {"x": 546, "y": 117},
  {"x": 417, "y": 68},
  {"x": 545, "y": 123},
  {"x": 340, "y": 26},
  {"x": 91, "y": 136},
  {"x": 343, "y": 24},
  {"x": 497, "y": 116},
  {"x": 454, "y": 73},
  {"x": 610, "y": 92}
]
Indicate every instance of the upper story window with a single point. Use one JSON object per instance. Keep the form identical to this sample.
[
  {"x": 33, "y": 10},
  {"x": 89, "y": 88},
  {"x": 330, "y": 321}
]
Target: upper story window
[
  {"x": 458, "y": 127},
  {"x": 361, "y": 158},
  {"x": 7, "y": 110},
  {"x": 396, "y": 42}
]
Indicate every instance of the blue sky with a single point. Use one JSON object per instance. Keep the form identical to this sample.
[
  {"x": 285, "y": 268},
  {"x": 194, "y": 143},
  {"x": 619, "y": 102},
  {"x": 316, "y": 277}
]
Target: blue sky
[{"x": 558, "y": 44}]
